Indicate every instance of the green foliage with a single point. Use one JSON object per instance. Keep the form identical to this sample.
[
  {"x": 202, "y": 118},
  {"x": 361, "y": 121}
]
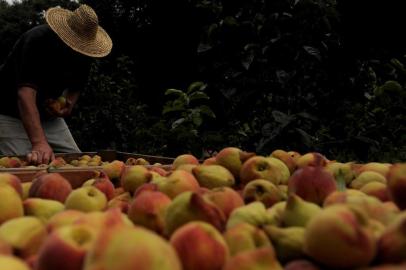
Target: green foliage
[{"x": 185, "y": 113}]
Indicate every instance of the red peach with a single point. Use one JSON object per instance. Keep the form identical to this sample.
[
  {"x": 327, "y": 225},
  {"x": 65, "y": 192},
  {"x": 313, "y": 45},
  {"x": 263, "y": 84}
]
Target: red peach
[
  {"x": 12, "y": 180},
  {"x": 207, "y": 251},
  {"x": 148, "y": 210},
  {"x": 312, "y": 184},
  {"x": 225, "y": 198},
  {"x": 51, "y": 186}
]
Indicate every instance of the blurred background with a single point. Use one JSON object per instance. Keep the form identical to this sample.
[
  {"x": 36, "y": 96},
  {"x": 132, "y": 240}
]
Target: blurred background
[{"x": 194, "y": 76}]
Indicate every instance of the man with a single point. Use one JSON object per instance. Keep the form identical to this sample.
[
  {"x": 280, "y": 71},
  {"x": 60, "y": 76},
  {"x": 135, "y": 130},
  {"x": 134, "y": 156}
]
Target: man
[{"x": 47, "y": 62}]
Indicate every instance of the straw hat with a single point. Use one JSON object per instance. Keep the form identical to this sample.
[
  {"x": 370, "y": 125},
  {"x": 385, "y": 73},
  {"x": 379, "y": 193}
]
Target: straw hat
[{"x": 80, "y": 30}]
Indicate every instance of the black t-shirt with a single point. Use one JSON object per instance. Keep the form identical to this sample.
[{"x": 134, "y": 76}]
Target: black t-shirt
[{"x": 41, "y": 60}]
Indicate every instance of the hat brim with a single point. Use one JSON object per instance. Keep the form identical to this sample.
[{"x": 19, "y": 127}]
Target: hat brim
[{"x": 99, "y": 46}]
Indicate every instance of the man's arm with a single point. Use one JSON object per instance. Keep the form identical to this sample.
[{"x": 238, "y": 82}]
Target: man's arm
[{"x": 41, "y": 151}]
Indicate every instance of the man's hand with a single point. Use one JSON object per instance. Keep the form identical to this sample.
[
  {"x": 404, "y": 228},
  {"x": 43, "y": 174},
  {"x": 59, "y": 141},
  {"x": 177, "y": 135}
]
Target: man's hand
[{"x": 41, "y": 153}]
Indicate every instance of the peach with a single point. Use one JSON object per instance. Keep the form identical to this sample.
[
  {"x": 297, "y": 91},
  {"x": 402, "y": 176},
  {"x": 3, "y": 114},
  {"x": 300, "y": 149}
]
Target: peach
[
  {"x": 148, "y": 210},
  {"x": 391, "y": 206},
  {"x": 42, "y": 208},
  {"x": 51, "y": 186},
  {"x": 11, "y": 205},
  {"x": 158, "y": 170},
  {"x": 191, "y": 206},
  {"x": 313, "y": 159},
  {"x": 312, "y": 184},
  {"x": 141, "y": 161},
  {"x": 388, "y": 267},
  {"x": 207, "y": 251},
  {"x": 212, "y": 176},
  {"x": 397, "y": 184},
  {"x": 24, "y": 234},
  {"x": 96, "y": 160},
  {"x": 263, "y": 191},
  {"x": 5, "y": 248},
  {"x": 301, "y": 265},
  {"x": 10, "y": 162},
  {"x": 63, "y": 218},
  {"x": 232, "y": 158},
  {"x": 225, "y": 198},
  {"x": 69, "y": 245},
  {"x": 283, "y": 169},
  {"x": 372, "y": 206},
  {"x": 12, "y": 180},
  {"x": 114, "y": 169},
  {"x": 377, "y": 190},
  {"x": 257, "y": 259},
  {"x": 85, "y": 157},
  {"x": 133, "y": 177},
  {"x": 86, "y": 199},
  {"x": 58, "y": 162},
  {"x": 341, "y": 196},
  {"x": 340, "y": 232},
  {"x": 118, "y": 191},
  {"x": 260, "y": 167},
  {"x": 31, "y": 261},
  {"x": 125, "y": 248},
  {"x": 381, "y": 168},
  {"x": 145, "y": 187},
  {"x": 283, "y": 189},
  {"x": 131, "y": 161},
  {"x": 295, "y": 155},
  {"x": 177, "y": 182},
  {"x": 253, "y": 213},
  {"x": 210, "y": 161},
  {"x": 244, "y": 237},
  {"x": 99, "y": 220},
  {"x": 103, "y": 183},
  {"x": 12, "y": 263},
  {"x": 184, "y": 159},
  {"x": 298, "y": 212},
  {"x": 26, "y": 189},
  {"x": 367, "y": 177},
  {"x": 287, "y": 242},
  {"x": 121, "y": 202},
  {"x": 187, "y": 167},
  {"x": 392, "y": 243},
  {"x": 275, "y": 213},
  {"x": 341, "y": 171},
  {"x": 286, "y": 158}
]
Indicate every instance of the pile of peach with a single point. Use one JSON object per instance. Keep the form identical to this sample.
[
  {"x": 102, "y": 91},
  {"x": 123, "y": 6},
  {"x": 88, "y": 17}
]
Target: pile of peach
[
  {"x": 60, "y": 162},
  {"x": 234, "y": 211}
]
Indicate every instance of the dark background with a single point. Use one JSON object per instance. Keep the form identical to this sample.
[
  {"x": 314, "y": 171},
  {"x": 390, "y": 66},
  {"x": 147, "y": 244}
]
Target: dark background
[{"x": 301, "y": 75}]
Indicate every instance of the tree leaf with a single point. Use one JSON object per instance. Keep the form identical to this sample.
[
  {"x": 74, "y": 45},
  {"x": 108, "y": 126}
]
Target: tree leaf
[
  {"x": 281, "y": 117},
  {"x": 196, "y": 86},
  {"x": 173, "y": 91},
  {"x": 206, "y": 111},
  {"x": 306, "y": 138},
  {"x": 198, "y": 95},
  {"x": 197, "y": 120},
  {"x": 248, "y": 59},
  {"x": 307, "y": 116},
  {"x": 313, "y": 52},
  {"x": 178, "y": 122}
]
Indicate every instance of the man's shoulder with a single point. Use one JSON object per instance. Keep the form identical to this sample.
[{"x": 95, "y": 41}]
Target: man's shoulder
[{"x": 39, "y": 31}]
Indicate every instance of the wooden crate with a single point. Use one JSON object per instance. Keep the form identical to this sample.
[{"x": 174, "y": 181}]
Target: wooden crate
[{"x": 77, "y": 175}]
